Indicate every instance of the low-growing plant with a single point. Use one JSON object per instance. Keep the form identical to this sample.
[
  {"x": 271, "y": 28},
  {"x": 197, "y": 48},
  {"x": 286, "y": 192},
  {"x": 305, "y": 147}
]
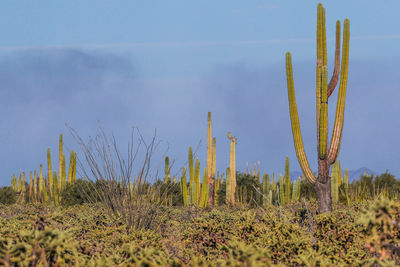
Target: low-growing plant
[{"x": 7, "y": 195}]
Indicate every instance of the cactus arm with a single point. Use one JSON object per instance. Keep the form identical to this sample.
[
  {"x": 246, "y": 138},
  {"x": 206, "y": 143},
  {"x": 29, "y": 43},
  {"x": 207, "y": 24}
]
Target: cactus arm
[
  {"x": 298, "y": 140},
  {"x": 335, "y": 76},
  {"x": 323, "y": 119},
  {"x": 339, "y": 118}
]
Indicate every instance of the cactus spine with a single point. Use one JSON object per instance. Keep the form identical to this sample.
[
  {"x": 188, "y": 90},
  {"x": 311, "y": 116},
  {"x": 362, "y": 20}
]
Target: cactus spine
[{"x": 326, "y": 157}]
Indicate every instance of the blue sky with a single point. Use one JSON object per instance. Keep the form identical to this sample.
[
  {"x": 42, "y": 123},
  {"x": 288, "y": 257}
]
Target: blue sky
[{"x": 165, "y": 64}]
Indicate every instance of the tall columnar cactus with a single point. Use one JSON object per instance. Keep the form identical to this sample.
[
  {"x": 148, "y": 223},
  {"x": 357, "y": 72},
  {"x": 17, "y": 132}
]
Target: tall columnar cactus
[
  {"x": 197, "y": 181},
  {"x": 282, "y": 199},
  {"x": 64, "y": 174},
  {"x": 326, "y": 156},
  {"x": 335, "y": 183},
  {"x": 50, "y": 172},
  {"x": 339, "y": 174},
  {"x": 204, "y": 190},
  {"x": 232, "y": 167},
  {"x": 228, "y": 196},
  {"x": 55, "y": 188},
  {"x": 42, "y": 185},
  {"x": 212, "y": 184},
  {"x": 192, "y": 184},
  {"x": 71, "y": 167},
  {"x": 210, "y": 163},
  {"x": 60, "y": 163},
  {"x": 14, "y": 183},
  {"x": 35, "y": 187},
  {"x": 287, "y": 182},
  {"x": 265, "y": 188},
  {"x": 217, "y": 186},
  {"x": 167, "y": 177},
  {"x": 184, "y": 187},
  {"x": 30, "y": 186}
]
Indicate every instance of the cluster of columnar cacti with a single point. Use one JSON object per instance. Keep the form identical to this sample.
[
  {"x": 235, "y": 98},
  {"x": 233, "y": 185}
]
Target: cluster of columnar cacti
[
  {"x": 284, "y": 192},
  {"x": 326, "y": 157},
  {"x": 43, "y": 189}
]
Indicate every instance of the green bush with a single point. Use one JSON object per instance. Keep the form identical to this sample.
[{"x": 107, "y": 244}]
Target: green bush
[
  {"x": 7, "y": 195},
  {"x": 80, "y": 192}
]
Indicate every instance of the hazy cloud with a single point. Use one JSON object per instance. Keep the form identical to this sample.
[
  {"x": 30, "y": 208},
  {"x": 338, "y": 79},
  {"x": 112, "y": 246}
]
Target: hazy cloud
[{"x": 44, "y": 89}]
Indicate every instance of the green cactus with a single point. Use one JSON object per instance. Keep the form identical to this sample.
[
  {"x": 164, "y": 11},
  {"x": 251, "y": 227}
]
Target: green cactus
[
  {"x": 334, "y": 183},
  {"x": 14, "y": 183},
  {"x": 228, "y": 196},
  {"x": 167, "y": 177},
  {"x": 30, "y": 187},
  {"x": 287, "y": 181},
  {"x": 64, "y": 174},
  {"x": 191, "y": 177},
  {"x": 71, "y": 167},
  {"x": 56, "y": 188},
  {"x": 210, "y": 162},
  {"x": 42, "y": 185},
  {"x": 232, "y": 167},
  {"x": 326, "y": 157},
  {"x": 197, "y": 182},
  {"x": 282, "y": 198},
  {"x": 265, "y": 187},
  {"x": 184, "y": 187},
  {"x": 204, "y": 190},
  {"x": 60, "y": 163},
  {"x": 217, "y": 186},
  {"x": 50, "y": 172},
  {"x": 35, "y": 187}
]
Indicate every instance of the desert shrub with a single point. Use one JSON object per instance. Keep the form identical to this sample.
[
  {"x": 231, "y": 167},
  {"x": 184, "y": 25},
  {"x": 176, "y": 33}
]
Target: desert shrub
[
  {"x": 170, "y": 191},
  {"x": 79, "y": 192},
  {"x": 382, "y": 229},
  {"x": 7, "y": 195},
  {"x": 39, "y": 248},
  {"x": 252, "y": 187},
  {"x": 307, "y": 190},
  {"x": 127, "y": 197}
]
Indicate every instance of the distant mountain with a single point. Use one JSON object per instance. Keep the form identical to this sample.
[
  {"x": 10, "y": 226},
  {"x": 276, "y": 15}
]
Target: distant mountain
[{"x": 353, "y": 174}]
